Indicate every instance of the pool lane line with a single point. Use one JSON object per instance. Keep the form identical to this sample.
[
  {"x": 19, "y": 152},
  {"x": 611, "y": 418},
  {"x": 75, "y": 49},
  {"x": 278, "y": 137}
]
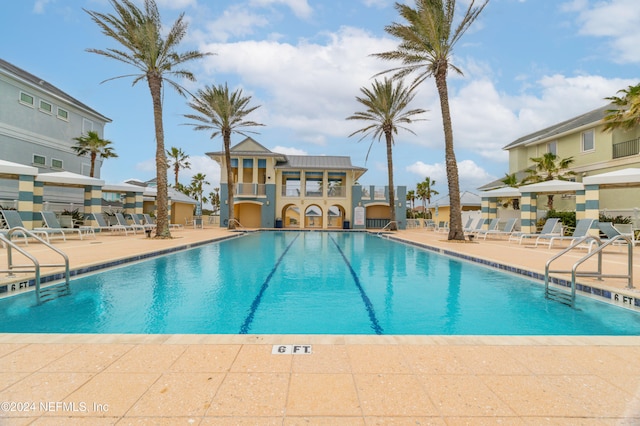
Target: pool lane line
[
  {"x": 365, "y": 299},
  {"x": 256, "y": 302}
]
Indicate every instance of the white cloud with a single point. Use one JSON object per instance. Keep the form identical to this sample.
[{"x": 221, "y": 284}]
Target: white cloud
[
  {"x": 286, "y": 150},
  {"x": 39, "y": 5},
  {"x": 176, "y": 4},
  {"x": 617, "y": 20},
  {"x": 300, "y": 8},
  {"x": 236, "y": 21},
  {"x": 470, "y": 175}
]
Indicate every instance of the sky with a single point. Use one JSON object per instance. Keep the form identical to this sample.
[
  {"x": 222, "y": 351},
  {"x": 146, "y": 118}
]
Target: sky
[{"x": 526, "y": 64}]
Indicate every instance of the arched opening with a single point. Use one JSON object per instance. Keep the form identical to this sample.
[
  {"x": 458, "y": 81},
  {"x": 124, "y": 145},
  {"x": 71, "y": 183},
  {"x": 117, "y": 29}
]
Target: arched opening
[
  {"x": 377, "y": 216},
  {"x": 291, "y": 216},
  {"x": 313, "y": 217},
  {"x": 248, "y": 214},
  {"x": 336, "y": 216}
]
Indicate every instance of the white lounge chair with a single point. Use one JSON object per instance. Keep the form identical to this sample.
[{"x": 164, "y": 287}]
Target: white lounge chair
[
  {"x": 582, "y": 230},
  {"x": 52, "y": 224},
  {"x": 123, "y": 222},
  {"x": 493, "y": 226},
  {"x": 507, "y": 230},
  {"x": 552, "y": 226},
  {"x": 103, "y": 225},
  {"x": 12, "y": 220}
]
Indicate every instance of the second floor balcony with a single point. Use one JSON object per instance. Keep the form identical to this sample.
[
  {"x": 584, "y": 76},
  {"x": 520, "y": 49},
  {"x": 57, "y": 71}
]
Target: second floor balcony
[
  {"x": 626, "y": 148},
  {"x": 250, "y": 190}
]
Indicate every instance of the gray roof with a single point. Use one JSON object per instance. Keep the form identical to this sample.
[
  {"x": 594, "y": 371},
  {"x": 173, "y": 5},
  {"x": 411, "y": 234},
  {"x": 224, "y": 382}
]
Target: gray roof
[
  {"x": 320, "y": 162},
  {"x": 591, "y": 117},
  {"x": 21, "y": 74},
  {"x": 466, "y": 199}
]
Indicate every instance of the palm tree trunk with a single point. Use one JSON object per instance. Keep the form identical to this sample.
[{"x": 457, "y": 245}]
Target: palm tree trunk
[
  {"x": 392, "y": 194},
  {"x": 93, "y": 164},
  {"x": 162, "y": 219},
  {"x": 226, "y": 136},
  {"x": 455, "y": 219}
]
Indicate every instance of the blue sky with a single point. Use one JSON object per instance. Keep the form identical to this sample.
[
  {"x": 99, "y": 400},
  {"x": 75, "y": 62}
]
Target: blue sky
[{"x": 527, "y": 64}]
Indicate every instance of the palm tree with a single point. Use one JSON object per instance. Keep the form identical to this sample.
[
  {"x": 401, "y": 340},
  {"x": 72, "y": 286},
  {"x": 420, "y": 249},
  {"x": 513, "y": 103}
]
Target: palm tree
[
  {"x": 142, "y": 45},
  {"x": 425, "y": 192},
  {"x": 626, "y": 114},
  {"x": 426, "y": 46},
  {"x": 549, "y": 167},
  {"x": 411, "y": 198},
  {"x": 177, "y": 159},
  {"x": 197, "y": 187},
  {"x": 512, "y": 181},
  {"x": 224, "y": 113},
  {"x": 93, "y": 145},
  {"x": 387, "y": 112},
  {"x": 214, "y": 197}
]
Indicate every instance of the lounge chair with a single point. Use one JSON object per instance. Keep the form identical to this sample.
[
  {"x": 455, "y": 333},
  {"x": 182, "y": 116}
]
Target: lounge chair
[
  {"x": 476, "y": 227},
  {"x": 582, "y": 230},
  {"x": 430, "y": 224},
  {"x": 627, "y": 229},
  {"x": 507, "y": 230},
  {"x": 138, "y": 221},
  {"x": 52, "y": 224},
  {"x": 149, "y": 221},
  {"x": 12, "y": 220},
  {"x": 493, "y": 226},
  {"x": 552, "y": 226},
  {"x": 123, "y": 223},
  {"x": 443, "y": 226},
  {"x": 612, "y": 231},
  {"x": 103, "y": 225}
]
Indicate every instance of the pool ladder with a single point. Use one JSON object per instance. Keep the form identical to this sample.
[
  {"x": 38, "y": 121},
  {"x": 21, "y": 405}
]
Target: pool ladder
[
  {"x": 238, "y": 224},
  {"x": 569, "y": 298},
  {"x": 42, "y": 294},
  {"x": 387, "y": 227}
]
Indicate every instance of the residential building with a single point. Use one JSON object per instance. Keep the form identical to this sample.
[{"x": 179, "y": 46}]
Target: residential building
[
  {"x": 302, "y": 191},
  {"x": 594, "y": 152}
]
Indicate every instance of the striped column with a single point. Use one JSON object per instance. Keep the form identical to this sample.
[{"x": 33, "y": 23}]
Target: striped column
[
  {"x": 168, "y": 210},
  {"x": 580, "y": 204},
  {"x": 139, "y": 202},
  {"x": 528, "y": 212},
  {"x": 25, "y": 199},
  {"x": 130, "y": 203},
  {"x": 592, "y": 204},
  {"x": 92, "y": 199},
  {"x": 38, "y": 194},
  {"x": 484, "y": 209}
]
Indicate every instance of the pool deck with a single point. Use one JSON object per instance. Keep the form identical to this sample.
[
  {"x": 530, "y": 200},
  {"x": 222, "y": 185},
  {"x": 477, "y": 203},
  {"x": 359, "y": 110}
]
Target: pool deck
[{"x": 350, "y": 380}]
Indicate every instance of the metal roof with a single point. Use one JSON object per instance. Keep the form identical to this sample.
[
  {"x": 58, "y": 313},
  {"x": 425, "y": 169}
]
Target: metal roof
[
  {"x": 320, "y": 162},
  {"x": 591, "y": 117},
  {"x": 19, "y": 73}
]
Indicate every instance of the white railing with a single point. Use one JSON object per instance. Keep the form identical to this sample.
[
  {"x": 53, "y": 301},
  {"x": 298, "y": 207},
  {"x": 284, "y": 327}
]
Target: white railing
[{"x": 250, "y": 190}]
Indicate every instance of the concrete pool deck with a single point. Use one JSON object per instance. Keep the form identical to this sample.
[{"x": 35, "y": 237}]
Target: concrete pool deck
[{"x": 236, "y": 379}]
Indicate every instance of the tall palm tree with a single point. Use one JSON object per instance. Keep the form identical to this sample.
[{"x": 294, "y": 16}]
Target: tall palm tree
[
  {"x": 426, "y": 46},
  {"x": 177, "y": 159},
  {"x": 626, "y": 114},
  {"x": 549, "y": 167},
  {"x": 93, "y": 145},
  {"x": 197, "y": 187},
  {"x": 142, "y": 45},
  {"x": 411, "y": 198},
  {"x": 223, "y": 113},
  {"x": 386, "y": 109},
  {"x": 425, "y": 191}
]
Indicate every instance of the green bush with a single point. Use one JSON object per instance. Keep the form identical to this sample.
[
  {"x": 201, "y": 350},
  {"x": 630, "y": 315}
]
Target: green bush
[
  {"x": 617, "y": 219},
  {"x": 568, "y": 219}
]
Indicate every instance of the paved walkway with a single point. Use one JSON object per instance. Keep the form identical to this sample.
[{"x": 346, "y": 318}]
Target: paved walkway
[{"x": 351, "y": 380}]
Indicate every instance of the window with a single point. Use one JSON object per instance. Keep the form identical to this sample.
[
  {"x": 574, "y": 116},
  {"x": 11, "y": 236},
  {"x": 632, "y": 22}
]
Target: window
[
  {"x": 87, "y": 126},
  {"x": 26, "y": 99},
  {"x": 552, "y": 147},
  {"x": 56, "y": 164},
  {"x": 588, "y": 141},
  {"x": 63, "y": 114},
  {"x": 39, "y": 160},
  {"x": 46, "y": 107}
]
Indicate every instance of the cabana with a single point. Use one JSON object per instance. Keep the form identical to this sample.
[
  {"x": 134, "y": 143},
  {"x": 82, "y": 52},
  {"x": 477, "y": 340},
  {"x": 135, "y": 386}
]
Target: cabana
[
  {"x": 529, "y": 193},
  {"x": 623, "y": 178}
]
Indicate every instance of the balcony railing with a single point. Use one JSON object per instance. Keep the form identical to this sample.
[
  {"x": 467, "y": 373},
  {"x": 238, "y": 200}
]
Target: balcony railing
[
  {"x": 250, "y": 190},
  {"x": 626, "y": 149}
]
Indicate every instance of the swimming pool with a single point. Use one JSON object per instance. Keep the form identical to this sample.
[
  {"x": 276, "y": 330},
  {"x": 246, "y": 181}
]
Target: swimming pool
[{"x": 310, "y": 283}]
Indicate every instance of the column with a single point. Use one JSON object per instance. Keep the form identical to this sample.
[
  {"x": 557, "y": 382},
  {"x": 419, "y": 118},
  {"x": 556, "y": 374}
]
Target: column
[
  {"x": 38, "y": 195},
  {"x": 592, "y": 204},
  {"x": 580, "y": 204},
  {"x": 528, "y": 212},
  {"x": 92, "y": 200},
  {"x": 25, "y": 199}
]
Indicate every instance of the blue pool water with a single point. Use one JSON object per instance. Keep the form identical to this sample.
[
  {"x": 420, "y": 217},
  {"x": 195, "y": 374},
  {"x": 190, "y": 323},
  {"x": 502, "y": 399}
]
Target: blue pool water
[{"x": 310, "y": 283}]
